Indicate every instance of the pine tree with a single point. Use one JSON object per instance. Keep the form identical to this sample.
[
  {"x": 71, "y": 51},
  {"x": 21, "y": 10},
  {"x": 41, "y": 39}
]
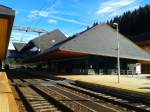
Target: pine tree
[{"x": 133, "y": 23}]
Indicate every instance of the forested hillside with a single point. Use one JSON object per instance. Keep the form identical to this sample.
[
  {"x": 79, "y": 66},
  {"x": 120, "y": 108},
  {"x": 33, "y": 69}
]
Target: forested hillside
[{"x": 134, "y": 23}]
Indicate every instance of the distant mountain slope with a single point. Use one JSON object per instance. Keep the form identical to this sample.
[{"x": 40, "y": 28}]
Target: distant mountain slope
[{"x": 134, "y": 23}]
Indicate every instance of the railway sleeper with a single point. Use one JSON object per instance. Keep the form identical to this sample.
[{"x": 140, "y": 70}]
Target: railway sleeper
[
  {"x": 49, "y": 98},
  {"x": 30, "y": 98},
  {"x": 115, "y": 92},
  {"x": 118, "y": 101}
]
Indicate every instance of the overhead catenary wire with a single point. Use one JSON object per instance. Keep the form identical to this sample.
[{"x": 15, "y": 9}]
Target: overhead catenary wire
[
  {"x": 42, "y": 8},
  {"x": 40, "y": 19},
  {"x": 49, "y": 6}
]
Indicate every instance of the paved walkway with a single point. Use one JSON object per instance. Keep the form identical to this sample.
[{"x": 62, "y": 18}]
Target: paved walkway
[
  {"x": 7, "y": 101},
  {"x": 132, "y": 83}
]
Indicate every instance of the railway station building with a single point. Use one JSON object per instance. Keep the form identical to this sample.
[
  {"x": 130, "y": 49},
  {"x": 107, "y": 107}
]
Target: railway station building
[
  {"x": 14, "y": 55},
  {"x": 36, "y": 45},
  {"x": 92, "y": 52},
  {"x": 44, "y": 41},
  {"x": 6, "y": 22}
]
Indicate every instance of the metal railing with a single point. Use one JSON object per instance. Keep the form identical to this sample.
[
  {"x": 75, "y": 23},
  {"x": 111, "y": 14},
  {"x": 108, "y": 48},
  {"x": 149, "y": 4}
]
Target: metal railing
[{"x": 103, "y": 71}]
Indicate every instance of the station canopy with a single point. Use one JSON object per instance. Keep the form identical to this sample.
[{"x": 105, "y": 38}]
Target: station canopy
[
  {"x": 100, "y": 40},
  {"x": 6, "y": 22}
]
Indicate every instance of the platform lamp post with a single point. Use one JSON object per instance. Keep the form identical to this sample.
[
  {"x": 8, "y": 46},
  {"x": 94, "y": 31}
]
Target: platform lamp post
[
  {"x": 39, "y": 43},
  {"x": 118, "y": 52}
]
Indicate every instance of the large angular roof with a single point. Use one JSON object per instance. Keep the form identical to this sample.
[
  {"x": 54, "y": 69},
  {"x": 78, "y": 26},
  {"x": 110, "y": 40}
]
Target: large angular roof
[
  {"x": 100, "y": 40},
  {"x": 49, "y": 39},
  {"x": 46, "y": 41},
  {"x": 19, "y": 46},
  {"x": 6, "y": 10}
]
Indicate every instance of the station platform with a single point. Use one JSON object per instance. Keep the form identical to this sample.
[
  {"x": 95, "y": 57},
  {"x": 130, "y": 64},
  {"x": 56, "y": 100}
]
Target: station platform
[
  {"x": 136, "y": 84},
  {"x": 7, "y": 100}
]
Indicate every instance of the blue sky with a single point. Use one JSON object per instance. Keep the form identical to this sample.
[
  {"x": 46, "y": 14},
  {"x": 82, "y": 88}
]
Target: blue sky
[{"x": 70, "y": 16}]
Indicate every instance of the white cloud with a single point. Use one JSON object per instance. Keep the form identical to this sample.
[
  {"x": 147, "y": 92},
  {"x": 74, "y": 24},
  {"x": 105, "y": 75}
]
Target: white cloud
[
  {"x": 69, "y": 20},
  {"x": 36, "y": 13},
  {"x": 43, "y": 13},
  {"x": 52, "y": 21},
  {"x": 112, "y": 6}
]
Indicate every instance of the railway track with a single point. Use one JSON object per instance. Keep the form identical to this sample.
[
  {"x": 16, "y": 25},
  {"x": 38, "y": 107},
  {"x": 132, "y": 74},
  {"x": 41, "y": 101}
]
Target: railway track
[
  {"x": 76, "y": 101},
  {"x": 35, "y": 102},
  {"x": 71, "y": 97},
  {"x": 145, "y": 99},
  {"x": 128, "y": 103}
]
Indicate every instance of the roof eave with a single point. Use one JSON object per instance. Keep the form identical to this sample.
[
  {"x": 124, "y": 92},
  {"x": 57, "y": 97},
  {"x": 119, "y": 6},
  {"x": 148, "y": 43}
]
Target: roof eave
[{"x": 9, "y": 14}]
